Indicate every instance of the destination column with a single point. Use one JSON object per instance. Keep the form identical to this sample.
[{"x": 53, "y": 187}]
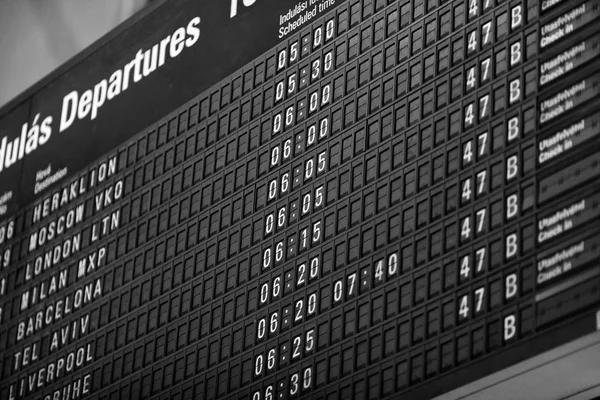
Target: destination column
[{"x": 56, "y": 285}]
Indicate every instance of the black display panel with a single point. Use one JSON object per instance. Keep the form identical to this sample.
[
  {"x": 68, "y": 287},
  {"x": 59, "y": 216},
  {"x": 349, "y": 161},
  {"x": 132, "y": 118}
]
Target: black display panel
[{"x": 264, "y": 199}]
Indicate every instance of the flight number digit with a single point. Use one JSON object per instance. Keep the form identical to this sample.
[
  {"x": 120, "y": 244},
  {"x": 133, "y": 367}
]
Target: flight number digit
[
  {"x": 7, "y": 231},
  {"x": 6, "y": 255}
]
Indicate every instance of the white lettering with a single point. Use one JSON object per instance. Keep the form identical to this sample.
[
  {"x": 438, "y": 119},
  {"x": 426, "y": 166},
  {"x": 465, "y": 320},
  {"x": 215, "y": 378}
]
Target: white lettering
[
  {"x": 555, "y": 30},
  {"x": 77, "y": 107},
  {"x": 59, "y": 309},
  {"x": 510, "y": 327}
]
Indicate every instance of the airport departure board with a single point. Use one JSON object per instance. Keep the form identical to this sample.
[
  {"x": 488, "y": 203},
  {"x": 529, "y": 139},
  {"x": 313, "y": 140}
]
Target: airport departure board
[{"x": 294, "y": 199}]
